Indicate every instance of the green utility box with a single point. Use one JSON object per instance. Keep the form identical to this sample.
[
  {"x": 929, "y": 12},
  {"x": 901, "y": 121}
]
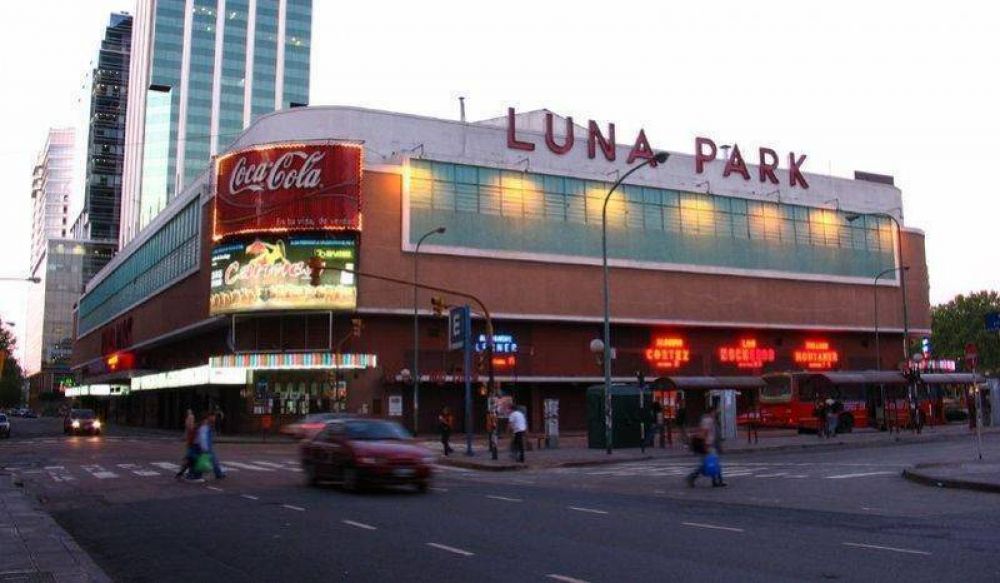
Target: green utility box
[{"x": 626, "y": 415}]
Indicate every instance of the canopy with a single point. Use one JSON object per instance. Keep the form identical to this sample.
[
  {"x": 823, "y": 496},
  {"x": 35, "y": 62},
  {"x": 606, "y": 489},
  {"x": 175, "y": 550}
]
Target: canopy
[
  {"x": 951, "y": 378},
  {"x": 708, "y": 383},
  {"x": 863, "y": 377}
]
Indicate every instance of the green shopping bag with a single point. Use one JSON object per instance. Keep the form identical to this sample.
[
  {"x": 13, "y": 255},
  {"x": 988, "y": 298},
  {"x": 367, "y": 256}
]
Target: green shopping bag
[{"x": 203, "y": 464}]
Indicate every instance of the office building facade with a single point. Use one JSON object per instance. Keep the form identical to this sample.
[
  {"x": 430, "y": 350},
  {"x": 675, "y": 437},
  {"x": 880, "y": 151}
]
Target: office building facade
[{"x": 201, "y": 71}]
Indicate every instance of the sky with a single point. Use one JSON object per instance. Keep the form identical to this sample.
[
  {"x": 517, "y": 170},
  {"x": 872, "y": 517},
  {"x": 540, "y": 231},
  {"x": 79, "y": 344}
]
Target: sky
[{"x": 887, "y": 87}]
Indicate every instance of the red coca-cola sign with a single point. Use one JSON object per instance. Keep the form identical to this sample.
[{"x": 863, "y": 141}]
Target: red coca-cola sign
[{"x": 288, "y": 187}]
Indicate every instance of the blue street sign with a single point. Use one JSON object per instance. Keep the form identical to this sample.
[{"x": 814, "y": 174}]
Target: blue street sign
[
  {"x": 458, "y": 324},
  {"x": 993, "y": 322}
]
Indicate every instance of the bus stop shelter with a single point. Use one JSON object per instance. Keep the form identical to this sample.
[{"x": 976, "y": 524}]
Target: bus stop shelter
[{"x": 696, "y": 393}]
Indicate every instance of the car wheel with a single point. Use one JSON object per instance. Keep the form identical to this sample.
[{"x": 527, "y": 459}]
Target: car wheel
[
  {"x": 350, "y": 479},
  {"x": 423, "y": 487}
]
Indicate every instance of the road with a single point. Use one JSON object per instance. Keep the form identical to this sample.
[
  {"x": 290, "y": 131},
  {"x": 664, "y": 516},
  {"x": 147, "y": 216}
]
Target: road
[{"x": 790, "y": 516}]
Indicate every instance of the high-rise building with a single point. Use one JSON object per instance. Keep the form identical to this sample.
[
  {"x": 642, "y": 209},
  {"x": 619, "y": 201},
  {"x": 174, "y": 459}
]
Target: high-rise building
[
  {"x": 51, "y": 190},
  {"x": 201, "y": 71},
  {"x": 102, "y": 137}
]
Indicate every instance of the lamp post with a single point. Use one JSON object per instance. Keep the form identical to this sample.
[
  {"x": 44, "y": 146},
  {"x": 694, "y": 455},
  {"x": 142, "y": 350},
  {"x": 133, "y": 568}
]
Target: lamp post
[
  {"x": 851, "y": 217},
  {"x": 659, "y": 158},
  {"x": 878, "y": 352},
  {"x": 416, "y": 328}
]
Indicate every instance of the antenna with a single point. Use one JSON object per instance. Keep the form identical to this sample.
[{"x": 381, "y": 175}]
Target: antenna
[{"x": 461, "y": 108}]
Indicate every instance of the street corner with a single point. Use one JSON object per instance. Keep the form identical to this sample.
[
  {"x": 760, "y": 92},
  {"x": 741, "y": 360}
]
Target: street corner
[{"x": 976, "y": 476}]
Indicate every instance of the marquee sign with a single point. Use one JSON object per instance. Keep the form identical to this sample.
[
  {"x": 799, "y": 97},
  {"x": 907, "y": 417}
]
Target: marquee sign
[
  {"x": 668, "y": 352},
  {"x": 270, "y": 272},
  {"x": 288, "y": 187},
  {"x": 746, "y": 354},
  {"x": 816, "y": 355}
]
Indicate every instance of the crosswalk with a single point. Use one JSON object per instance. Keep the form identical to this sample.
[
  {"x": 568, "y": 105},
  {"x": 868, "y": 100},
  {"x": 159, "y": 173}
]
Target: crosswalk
[
  {"x": 755, "y": 470},
  {"x": 148, "y": 470}
]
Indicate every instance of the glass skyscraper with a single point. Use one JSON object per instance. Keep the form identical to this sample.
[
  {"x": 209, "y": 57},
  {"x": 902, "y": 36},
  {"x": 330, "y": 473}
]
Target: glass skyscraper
[{"x": 201, "y": 71}]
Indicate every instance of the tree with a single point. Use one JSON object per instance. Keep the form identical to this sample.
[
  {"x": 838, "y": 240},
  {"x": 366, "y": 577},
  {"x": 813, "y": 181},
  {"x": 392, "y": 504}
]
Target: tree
[
  {"x": 11, "y": 377},
  {"x": 963, "y": 320}
]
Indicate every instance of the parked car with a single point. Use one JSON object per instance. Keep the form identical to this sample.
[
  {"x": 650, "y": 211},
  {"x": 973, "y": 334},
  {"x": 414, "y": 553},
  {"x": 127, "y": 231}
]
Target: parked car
[
  {"x": 4, "y": 426},
  {"x": 29, "y": 414},
  {"x": 358, "y": 452},
  {"x": 82, "y": 421},
  {"x": 310, "y": 425}
]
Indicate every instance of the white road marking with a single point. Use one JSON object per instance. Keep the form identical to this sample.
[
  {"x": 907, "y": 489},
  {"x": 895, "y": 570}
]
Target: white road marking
[
  {"x": 712, "y": 526},
  {"x": 881, "y": 548},
  {"x": 590, "y": 510},
  {"x": 861, "y": 475},
  {"x": 214, "y": 488},
  {"x": 296, "y": 508},
  {"x": 166, "y": 466},
  {"x": 270, "y": 465},
  {"x": 796, "y": 476},
  {"x": 462, "y": 552},
  {"x": 450, "y": 468},
  {"x": 359, "y": 524},
  {"x": 55, "y": 467},
  {"x": 244, "y": 466},
  {"x": 565, "y": 579},
  {"x": 504, "y": 498},
  {"x": 738, "y": 474},
  {"x": 439, "y": 489},
  {"x": 775, "y": 475},
  {"x": 138, "y": 471},
  {"x": 99, "y": 472},
  {"x": 227, "y": 468},
  {"x": 249, "y": 497}
]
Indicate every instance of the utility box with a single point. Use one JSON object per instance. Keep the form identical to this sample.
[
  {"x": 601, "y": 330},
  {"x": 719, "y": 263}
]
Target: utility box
[
  {"x": 627, "y": 415},
  {"x": 551, "y": 412}
]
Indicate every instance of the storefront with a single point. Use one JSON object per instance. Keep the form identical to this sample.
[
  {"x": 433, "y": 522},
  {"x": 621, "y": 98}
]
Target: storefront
[{"x": 299, "y": 245}]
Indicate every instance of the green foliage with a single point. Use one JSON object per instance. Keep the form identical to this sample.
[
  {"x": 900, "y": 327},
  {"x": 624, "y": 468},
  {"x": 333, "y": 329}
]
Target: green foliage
[
  {"x": 11, "y": 379},
  {"x": 963, "y": 320}
]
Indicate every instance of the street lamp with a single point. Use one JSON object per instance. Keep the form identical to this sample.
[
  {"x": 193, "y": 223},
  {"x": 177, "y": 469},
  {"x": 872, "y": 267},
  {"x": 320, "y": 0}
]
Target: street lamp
[
  {"x": 851, "y": 217},
  {"x": 659, "y": 158},
  {"x": 416, "y": 328},
  {"x": 878, "y": 352}
]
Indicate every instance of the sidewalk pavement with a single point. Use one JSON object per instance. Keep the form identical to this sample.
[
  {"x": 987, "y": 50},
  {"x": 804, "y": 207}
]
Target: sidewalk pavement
[
  {"x": 573, "y": 451},
  {"x": 981, "y": 476},
  {"x": 34, "y": 547}
]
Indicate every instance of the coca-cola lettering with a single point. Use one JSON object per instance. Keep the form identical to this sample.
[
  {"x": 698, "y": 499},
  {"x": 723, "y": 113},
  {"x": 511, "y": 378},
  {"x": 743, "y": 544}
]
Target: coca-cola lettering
[{"x": 280, "y": 174}]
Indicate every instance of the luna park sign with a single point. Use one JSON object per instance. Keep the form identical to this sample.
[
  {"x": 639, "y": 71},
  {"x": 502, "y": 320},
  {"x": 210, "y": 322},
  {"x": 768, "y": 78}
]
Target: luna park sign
[{"x": 603, "y": 142}]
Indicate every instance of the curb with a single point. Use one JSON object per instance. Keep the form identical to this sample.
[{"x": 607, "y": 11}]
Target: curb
[
  {"x": 925, "y": 480},
  {"x": 510, "y": 467}
]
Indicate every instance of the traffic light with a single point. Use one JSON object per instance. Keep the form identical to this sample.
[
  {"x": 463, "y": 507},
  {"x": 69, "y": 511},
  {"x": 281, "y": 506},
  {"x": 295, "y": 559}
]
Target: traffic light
[
  {"x": 437, "y": 303},
  {"x": 356, "y": 326},
  {"x": 316, "y": 267}
]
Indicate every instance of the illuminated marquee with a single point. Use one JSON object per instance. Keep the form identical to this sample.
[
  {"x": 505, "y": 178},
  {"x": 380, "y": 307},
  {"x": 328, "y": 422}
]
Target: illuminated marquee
[
  {"x": 746, "y": 354},
  {"x": 288, "y": 187},
  {"x": 668, "y": 352},
  {"x": 817, "y": 354}
]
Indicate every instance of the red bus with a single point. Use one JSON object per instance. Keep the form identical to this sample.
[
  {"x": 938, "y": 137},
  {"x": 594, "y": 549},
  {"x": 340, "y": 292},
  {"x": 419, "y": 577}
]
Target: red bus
[{"x": 789, "y": 400}]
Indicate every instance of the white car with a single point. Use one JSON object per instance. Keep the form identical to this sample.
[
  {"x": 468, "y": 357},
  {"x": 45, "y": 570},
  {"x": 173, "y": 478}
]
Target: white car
[{"x": 4, "y": 426}]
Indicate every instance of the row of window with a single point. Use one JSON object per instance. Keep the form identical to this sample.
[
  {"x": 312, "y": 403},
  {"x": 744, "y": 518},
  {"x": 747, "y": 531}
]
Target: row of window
[{"x": 162, "y": 258}]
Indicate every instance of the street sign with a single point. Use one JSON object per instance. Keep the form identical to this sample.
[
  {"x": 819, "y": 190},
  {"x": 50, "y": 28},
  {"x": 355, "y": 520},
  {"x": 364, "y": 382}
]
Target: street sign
[
  {"x": 971, "y": 355},
  {"x": 458, "y": 318},
  {"x": 993, "y": 322}
]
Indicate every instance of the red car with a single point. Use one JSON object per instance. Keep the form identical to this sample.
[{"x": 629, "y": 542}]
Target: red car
[{"x": 366, "y": 452}]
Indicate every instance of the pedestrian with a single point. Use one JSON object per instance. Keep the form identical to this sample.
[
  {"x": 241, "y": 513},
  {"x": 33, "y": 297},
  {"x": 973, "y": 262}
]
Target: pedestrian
[
  {"x": 220, "y": 419},
  {"x": 704, "y": 442},
  {"x": 656, "y": 410},
  {"x": 832, "y": 418},
  {"x": 518, "y": 423},
  {"x": 206, "y": 447},
  {"x": 820, "y": 412},
  {"x": 680, "y": 418},
  {"x": 446, "y": 423},
  {"x": 190, "y": 448}
]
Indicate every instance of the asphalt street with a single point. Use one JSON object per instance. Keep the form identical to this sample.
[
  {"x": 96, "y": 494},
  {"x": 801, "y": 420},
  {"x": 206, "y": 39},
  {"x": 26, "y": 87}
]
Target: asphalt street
[{"x": 790, "y": 516}]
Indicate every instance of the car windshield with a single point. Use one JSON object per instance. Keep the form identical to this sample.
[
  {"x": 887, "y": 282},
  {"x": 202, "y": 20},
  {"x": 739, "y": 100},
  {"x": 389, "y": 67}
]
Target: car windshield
[
  {"x": 83, "y": 414},
  {"x": 375, "y": 430}
]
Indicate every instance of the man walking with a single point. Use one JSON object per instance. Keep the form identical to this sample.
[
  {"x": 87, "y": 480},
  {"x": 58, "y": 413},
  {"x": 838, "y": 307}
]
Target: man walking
[
  {"x": 706, "y": 443},
  {"x": 446, "y": 422},
  {"x": 206, "y": 447},
  {"x": 518, "y": 426},
  {"x": 190, "y": 448}
]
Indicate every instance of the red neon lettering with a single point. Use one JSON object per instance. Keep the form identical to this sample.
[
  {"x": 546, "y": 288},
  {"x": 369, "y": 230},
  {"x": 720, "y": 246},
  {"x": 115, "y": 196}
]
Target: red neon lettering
[
  {"x": 607, "y": 145},
  {"x": 700, "y": 156},
  {"x": 641, "y": 149},
  {"x": 512, "y": 141},
  {"x": 550, "y": 139},
  {"x": 794, "y": 170},
  {"x": 768, "y": 164},
  {"x": 736, "y": 164}
]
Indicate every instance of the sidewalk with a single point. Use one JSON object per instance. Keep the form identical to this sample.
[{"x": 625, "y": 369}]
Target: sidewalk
[
  {"x": 980, "y": 476},
  {"x": 573, "y": 449},
  {"x": 34, "y": 547}
]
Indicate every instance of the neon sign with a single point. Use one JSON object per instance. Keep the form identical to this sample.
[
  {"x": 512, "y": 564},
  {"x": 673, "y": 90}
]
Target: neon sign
[
  {"x": 746, "y": 354},
  {"x": 668, "y": 352},
  {"x": 502, "y": 344},
  {"x": 817, "y": 354}
]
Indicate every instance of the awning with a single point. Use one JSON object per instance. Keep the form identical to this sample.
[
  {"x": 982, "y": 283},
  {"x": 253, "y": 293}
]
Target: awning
[
  {"x": 863, "y": 377},
  {"x": 951, "y": 378},
  {"x": 708, "y": 383}
]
